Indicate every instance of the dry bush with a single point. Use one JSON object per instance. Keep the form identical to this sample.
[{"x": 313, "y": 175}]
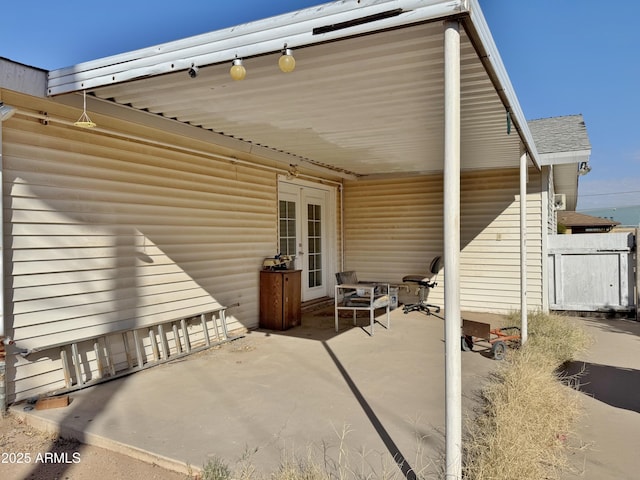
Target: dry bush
[
  {"x": 528, "y": 412},
  {"x": 557, "y": 338},
  {"x": 297, "y": 470}
]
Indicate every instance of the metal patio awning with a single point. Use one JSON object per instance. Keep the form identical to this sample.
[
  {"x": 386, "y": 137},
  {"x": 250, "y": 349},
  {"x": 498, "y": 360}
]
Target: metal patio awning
[
  {"x": 366, "y": 97},
  {"x": 381, "y": 87}
]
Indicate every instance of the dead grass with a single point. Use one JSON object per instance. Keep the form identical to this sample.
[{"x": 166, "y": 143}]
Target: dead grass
[
  {"x": 325, "y": 461},
  {"x": 528, "y": 413}
]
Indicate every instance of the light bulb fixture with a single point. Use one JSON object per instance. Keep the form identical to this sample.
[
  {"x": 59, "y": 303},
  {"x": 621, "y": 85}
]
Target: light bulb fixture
[
  {"x": 238, "y": 72},
  {"x": 286, "y": 62},
  {"x": 584, "y": 168},
  {"x": 84, "y": 121},
  {"x": 6, "y": 112},
  {"x": 292, "y": 172}
]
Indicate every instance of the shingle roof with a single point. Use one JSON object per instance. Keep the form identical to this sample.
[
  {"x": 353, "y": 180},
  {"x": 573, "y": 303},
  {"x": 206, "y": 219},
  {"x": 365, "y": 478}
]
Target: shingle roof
[
  {"x": 560, "y": 134},
  {"x": 575, "y": 219}
]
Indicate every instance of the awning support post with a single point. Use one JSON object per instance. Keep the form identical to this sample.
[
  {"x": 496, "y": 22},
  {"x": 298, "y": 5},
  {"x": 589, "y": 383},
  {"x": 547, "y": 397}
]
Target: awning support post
[{"x": 453, "y": 360}]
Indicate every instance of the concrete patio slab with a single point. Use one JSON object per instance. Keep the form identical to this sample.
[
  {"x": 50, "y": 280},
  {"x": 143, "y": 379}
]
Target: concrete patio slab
[{"x": 274, "y": 394}]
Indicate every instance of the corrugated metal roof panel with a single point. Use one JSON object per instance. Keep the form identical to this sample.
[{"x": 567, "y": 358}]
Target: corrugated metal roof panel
[
  {"x": 368, "y": 105},
  {"x": 363, "y": 100}
]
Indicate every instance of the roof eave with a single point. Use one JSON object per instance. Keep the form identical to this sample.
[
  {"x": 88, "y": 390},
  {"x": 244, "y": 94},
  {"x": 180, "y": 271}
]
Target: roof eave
[
  {"x": 480, "y": 34},
  {"x": 296, "y": 29},
  {"x": 563, "y": 158}
]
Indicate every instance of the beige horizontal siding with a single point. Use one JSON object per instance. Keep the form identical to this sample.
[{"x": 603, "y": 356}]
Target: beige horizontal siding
[
  {"x": 390, "y": 225},
  {"x": 105, "y": 234},
  {"x": 394, "y": 228}
]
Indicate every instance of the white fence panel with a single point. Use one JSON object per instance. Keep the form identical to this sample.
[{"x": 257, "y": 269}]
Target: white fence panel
[{"x": 592, "y": 272}]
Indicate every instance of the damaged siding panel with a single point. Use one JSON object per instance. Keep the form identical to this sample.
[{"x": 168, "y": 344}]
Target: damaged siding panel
[
  {"x": 394, "y": 228},
  {"x": 107, "y": 234}
]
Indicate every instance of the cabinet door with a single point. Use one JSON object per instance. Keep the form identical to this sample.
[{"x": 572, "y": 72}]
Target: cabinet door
[
  {"x": 271, "y": 285},
  {"x": 292, "y": 297}
]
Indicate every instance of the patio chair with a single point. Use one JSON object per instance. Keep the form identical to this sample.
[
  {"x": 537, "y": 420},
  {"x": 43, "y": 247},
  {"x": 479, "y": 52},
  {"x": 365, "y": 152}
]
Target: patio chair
[
  {"x": 350, "y": 296},
  {"x": 424, "y": 283}
]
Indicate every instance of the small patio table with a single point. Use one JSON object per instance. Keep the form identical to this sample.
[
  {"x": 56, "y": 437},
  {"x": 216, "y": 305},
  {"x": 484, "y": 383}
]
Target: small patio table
[{"x": 365, "y": 298}]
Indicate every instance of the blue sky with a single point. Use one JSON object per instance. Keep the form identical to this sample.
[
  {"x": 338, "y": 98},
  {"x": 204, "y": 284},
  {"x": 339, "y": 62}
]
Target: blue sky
[{"x": 563, "y": 57}]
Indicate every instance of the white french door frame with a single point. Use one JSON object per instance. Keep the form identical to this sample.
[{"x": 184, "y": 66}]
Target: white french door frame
[{"x": 303, "y": 192}]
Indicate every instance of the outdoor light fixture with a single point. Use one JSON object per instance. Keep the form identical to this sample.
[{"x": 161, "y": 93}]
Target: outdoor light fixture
[
  {"x": 238, "y": 72},
  {"x": 84, "y": 121},
  {"x": 584, "y": 168},
  {"x": 193, "y": 71},
  {"x": 6, "y": 112},
  {"x": 286, "y": 62},
  {"x": 292, "y": 172}
]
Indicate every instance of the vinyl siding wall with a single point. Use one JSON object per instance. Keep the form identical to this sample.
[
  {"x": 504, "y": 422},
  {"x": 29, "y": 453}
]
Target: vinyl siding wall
[
  {"x": 104, "y": 234},
  {"x": 394, "y": 228}
]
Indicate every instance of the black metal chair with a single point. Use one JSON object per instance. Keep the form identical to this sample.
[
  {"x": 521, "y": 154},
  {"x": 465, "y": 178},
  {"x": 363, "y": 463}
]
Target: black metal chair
[{"x": 425, "y": 283}]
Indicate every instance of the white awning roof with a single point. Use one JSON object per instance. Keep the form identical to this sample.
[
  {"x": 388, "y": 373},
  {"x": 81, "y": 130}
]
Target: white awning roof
[{"x": 366, "y": 97}]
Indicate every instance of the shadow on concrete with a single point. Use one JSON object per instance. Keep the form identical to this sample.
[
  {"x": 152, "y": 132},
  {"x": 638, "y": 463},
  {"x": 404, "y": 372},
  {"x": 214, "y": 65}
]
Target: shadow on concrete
[
  {"x": 403, "y": 464},
  {"x": 615, "y": 386},
  {"x": 613, "y": 325},
  {"x": 319, "y": 325}
]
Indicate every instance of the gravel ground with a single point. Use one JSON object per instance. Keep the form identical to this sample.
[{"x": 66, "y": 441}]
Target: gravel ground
[{"x": 29, "y": 454}]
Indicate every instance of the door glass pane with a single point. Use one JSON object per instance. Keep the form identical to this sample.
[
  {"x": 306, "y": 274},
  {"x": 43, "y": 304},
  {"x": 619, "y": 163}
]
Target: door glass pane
[
  {"x": 314, "y": 245},
  {"x": 287, "y": 228}
]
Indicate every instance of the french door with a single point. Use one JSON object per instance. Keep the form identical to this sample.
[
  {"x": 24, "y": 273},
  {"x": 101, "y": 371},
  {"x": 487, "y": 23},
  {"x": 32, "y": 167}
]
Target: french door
[{"x": 303, "y": 232}]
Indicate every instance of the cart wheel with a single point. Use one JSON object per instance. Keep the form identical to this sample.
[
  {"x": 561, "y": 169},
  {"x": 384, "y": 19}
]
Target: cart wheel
[
  {"x": 467, "y": 343},
  {"x": 498, "y": 349}
]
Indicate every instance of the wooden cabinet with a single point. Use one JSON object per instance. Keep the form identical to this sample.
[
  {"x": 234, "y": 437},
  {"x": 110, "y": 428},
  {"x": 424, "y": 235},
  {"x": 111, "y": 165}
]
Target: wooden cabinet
[{"x": 280, "y": 295}]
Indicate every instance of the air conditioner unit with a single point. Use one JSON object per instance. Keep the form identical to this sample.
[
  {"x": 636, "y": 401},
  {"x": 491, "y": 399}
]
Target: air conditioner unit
[{"x": 559, "y": 201}]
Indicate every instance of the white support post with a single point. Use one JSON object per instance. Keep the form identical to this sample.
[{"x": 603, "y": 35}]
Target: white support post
[
  {"x": 637, "y": 277},
  {"x": 453, "y": 360},
  {"x": 523, "y": 248},
  {"x": 4, "y": 330}
]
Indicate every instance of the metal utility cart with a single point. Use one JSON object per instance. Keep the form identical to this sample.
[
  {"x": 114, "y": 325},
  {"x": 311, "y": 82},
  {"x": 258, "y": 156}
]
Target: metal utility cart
[{"x": 497, "y": 339}]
